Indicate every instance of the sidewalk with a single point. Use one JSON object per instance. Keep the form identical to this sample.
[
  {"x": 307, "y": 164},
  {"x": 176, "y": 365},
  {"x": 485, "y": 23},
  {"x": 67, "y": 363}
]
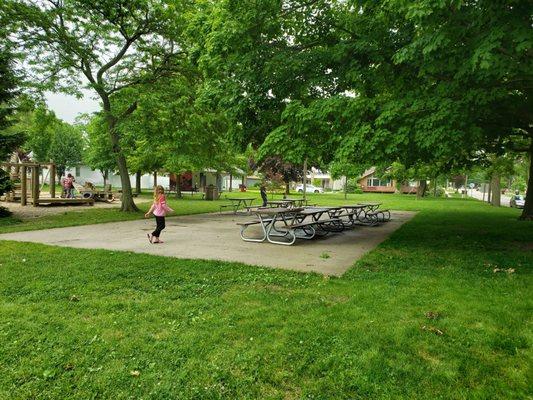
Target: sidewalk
[{"x": 479, "y": 196}]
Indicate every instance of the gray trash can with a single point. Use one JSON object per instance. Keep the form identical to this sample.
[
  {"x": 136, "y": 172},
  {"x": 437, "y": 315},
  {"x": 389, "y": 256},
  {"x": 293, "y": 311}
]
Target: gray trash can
[{"x": 211, "y": 192}]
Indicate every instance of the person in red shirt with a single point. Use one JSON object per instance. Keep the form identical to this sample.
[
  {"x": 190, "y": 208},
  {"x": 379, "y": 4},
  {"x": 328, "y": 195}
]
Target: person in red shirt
[{"x": 68, "y": 186}]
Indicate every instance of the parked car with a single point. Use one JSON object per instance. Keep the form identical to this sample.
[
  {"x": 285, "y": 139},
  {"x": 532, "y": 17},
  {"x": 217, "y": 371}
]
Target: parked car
[
  {"x": 517, "y": 201},
  {"x": 309, "y": 189}
]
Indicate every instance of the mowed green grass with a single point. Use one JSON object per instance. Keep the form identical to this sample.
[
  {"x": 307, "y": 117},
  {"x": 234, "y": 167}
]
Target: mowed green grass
[{"x": 81, "y": 324}]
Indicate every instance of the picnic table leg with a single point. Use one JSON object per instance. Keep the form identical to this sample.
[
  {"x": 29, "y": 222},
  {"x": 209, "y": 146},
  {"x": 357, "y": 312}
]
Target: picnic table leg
[
  {"x": 289, "y": 232},
  {"x": 259, "y": 240}
]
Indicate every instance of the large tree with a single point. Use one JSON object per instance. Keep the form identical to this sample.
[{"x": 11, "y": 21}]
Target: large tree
[
  {"x": 39, "y": 125},
  {"x": 98, "y": 152},
  {"x": 252, "y": 64},
  {"x": 8, "y": 91},
  {"x": 105, "y": 45},
  {"x": 417, "y": 82},
  {"x": 66, "y": 147}
]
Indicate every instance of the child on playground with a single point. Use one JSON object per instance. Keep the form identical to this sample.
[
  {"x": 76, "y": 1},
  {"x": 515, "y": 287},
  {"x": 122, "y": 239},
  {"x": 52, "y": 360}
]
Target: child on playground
[
  {"x": 68, "y": 186},
  {"x": 160, "y": 209}
]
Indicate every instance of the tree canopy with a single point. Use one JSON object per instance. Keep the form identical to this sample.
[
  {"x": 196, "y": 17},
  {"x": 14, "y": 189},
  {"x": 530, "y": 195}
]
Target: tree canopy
[
  {"x": 339, "y": 84},
  {"x": 374, "y": 82},
  {"x": 106, "y": 46}
]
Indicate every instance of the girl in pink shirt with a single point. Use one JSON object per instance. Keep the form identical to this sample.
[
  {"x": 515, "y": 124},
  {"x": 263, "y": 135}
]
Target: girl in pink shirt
[{"x": 159, "y": 209}]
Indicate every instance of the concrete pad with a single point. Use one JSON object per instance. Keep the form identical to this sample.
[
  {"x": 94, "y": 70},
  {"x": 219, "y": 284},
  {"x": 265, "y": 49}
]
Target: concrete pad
[{"x": 216, "y": 237}]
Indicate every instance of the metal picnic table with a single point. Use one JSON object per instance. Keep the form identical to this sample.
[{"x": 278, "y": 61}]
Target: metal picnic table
[
  {"x": 365, "y": 214},
  {"x": 297, "y": 202},
  {"x": 237, "y": 202},
  {"x": 291, "y": 224},
  {"x": 268, "y": 218},
  {"x": 370, "y": 206},
  {"x": 356, "y": 213},
  {"x": 331, "y": 224},
  {"x": 280, "y": 203}
]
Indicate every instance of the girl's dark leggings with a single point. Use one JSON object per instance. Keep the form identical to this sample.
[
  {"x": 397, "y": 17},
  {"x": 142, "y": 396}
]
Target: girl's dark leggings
[{"x": 160, "y": 226}]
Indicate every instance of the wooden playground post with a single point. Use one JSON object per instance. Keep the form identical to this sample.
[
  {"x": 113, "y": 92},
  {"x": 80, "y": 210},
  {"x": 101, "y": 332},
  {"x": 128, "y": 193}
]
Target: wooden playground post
[
  {"x": 53, "y": 181},
  {"x": 23, "y": 185},
  {"x": 35, "y": 184}
]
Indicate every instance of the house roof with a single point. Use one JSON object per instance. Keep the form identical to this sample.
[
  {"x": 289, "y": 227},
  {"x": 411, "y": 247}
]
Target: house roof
[{"x": 368, "y": 172}]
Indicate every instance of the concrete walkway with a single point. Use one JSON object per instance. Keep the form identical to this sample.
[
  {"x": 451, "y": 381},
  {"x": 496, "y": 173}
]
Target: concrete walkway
[
  {"x": 216, "y": 237},
  {"x": 504, "y": 199}
]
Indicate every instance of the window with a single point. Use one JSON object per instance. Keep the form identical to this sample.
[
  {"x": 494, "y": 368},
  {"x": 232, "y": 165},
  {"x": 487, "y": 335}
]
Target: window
[
  {"x": 78, "y": 171},
  {"x": 373, "y": 181}
]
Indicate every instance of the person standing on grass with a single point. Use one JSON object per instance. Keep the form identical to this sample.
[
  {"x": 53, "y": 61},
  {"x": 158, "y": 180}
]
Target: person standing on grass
[
  {"x": 264, "y": 197},
  {"x": 159, "y": 208}
]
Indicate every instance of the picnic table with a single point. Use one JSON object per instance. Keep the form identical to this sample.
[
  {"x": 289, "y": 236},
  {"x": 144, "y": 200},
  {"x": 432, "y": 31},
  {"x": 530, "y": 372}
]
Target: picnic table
[
  {"x": 370, "y": 206},
  {"x": 366, "y": 213},
  {"x": 283, "y": 225},
  {"x": 323, "y": 225},
  {"x": 267, "y": 219},
  {"x": 297, "y": 202},
  {"x": 355, "y": 213},
  {"x": 237, "y": 203},
  {"x": 280, "y": 203}
]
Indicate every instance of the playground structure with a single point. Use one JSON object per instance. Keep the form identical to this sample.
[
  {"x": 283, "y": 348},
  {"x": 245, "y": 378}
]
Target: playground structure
[
  {"x": 28, "y": 189},
  {"x": 89, "y": 191}
]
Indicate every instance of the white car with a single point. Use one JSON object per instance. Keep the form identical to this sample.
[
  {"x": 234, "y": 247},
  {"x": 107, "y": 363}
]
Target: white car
[
  {"x": 517, "y": 201},
  {"x": 309, "y": 189}
]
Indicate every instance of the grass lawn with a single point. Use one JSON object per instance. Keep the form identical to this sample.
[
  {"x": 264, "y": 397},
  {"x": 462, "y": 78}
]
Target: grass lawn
[{"x": 84, "y": 324}]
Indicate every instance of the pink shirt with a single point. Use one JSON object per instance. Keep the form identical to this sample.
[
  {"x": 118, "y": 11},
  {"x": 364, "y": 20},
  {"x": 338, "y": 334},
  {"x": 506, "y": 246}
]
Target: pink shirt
[{"x": 160, "y": 207}]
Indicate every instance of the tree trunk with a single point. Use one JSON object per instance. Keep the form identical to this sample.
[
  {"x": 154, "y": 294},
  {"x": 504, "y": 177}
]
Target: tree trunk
[
  {"x": 421, "y": 190},
  {"x": 435, "y": 188},
  {"x": 345, "y": 187},
  {"x": 155, "y": 178},
  {"x": 178, "y": 186},
  {"x": 496, "y": 190},
  {"x": 527, "y": 212},
  {"x": 60, "y": 171},
  {"x": 138, "y": 182},
  {"x": 127, "y": 195},
  {"x": 287, "y": 189},
  {"x": 230, "y": 182},
  {"x": 305, "y": 179},
  {"x": 104, "y": 175}
]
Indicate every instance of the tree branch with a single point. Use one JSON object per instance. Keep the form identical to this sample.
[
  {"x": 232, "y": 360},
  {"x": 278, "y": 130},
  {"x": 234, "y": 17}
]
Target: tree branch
[
  {"x": 117, "y": 58},
  {"x": 129, "y": 110}
]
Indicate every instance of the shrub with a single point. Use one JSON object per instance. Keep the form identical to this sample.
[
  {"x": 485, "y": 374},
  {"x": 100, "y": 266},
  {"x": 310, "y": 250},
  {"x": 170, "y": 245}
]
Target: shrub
[
  {"x": 353, "y": 187},
  {"x": 5, "y": 183},
  {"x": 4, "y": 212}
]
